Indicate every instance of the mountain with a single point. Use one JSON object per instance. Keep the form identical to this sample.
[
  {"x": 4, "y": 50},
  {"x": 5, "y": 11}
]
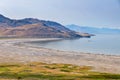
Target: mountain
[
  {"x": 93, "y": 30},
  {"x": 31, "y": 27},
  {"x": 35, "y": 30}
]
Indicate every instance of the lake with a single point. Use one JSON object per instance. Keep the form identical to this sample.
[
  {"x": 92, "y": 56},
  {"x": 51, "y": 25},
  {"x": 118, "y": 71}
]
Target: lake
[{"x": 99, "y": 44}]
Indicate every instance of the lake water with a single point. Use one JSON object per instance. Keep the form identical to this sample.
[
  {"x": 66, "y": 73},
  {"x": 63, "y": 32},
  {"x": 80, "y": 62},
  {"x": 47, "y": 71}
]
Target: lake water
[{"x": 100, "y": 44}]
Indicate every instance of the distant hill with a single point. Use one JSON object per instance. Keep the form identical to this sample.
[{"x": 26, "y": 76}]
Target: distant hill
[
  {"x": 93, "y": 30},
  {"x": 30, "y": 27}
]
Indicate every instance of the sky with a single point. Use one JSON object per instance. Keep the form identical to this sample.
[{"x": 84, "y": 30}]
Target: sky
[{"x": 96, "y": 13}]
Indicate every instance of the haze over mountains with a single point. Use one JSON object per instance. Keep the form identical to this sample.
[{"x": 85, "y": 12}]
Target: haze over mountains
[
  {"x": 30, "y": 27},
  {"x": 93, "y": 30}
]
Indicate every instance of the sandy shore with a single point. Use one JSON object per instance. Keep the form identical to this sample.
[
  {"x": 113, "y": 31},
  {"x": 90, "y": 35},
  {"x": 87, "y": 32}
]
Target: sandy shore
[{"x": 14, "y": 50}]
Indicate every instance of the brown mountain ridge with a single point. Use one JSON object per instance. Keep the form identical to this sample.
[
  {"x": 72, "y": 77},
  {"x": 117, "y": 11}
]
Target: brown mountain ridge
[{"x": 30, "y": 27}]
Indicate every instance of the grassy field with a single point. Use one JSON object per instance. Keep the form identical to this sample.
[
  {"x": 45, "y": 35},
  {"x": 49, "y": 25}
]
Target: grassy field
[{"x": 44, "y": 71}]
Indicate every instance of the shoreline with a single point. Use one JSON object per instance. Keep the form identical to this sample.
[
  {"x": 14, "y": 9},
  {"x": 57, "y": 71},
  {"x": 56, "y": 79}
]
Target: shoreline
[{"x": 14, "y": 50}]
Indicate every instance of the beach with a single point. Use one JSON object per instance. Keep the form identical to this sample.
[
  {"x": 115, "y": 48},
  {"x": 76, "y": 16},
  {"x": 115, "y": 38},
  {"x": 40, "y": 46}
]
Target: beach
[{"x": 17, "y": 51}]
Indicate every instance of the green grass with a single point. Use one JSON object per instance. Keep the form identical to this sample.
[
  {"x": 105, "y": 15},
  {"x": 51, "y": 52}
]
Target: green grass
[{"x": 43, "y": 71}]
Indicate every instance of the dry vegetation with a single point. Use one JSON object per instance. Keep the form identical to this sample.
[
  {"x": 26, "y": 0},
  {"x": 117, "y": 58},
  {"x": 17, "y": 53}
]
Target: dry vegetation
[{"x": 44, "y": 71}]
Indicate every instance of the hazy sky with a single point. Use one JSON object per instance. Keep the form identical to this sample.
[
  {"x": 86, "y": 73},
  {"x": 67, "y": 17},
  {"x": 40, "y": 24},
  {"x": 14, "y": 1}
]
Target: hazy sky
[{"x": 97, "y": 13}]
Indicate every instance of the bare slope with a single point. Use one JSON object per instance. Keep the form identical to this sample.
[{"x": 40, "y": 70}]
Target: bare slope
[{"x": 30, "y": 27}]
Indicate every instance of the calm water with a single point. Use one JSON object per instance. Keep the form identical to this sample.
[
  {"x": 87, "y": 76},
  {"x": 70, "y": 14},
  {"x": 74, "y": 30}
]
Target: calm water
[{"x": 100, "y": 44}]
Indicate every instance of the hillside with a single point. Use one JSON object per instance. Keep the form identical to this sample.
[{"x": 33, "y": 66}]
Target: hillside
[
  {"x": 36, "y": 30},
  {"x": 30, "y": 27}
]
